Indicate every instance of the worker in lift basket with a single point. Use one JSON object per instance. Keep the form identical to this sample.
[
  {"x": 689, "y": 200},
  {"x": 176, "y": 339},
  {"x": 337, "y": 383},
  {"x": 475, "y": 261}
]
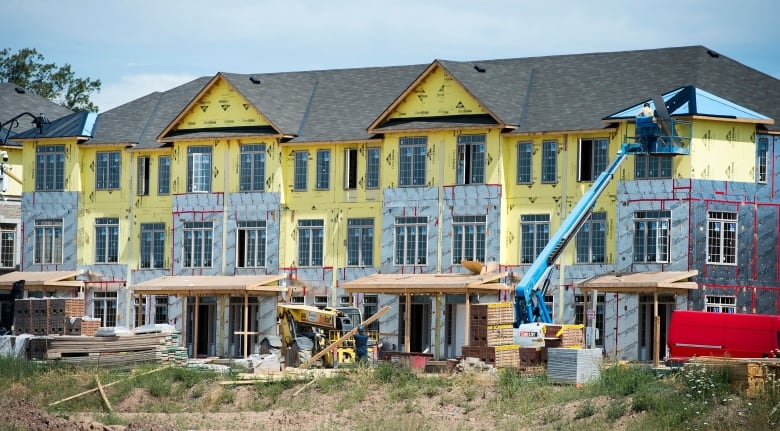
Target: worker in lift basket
[
  {"x": 646, "y": 111},
  {"x": 361, "y": 345}
]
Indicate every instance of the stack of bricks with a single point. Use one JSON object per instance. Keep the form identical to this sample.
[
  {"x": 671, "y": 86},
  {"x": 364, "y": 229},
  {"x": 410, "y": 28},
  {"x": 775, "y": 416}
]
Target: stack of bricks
[
  {"x": 491, "y": 335},
  {"x": 47, "y": 316}
]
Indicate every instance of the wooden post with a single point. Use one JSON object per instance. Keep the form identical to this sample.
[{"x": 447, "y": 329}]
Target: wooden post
[
  {"x": 656, "y": 330},
  {"x": 246, "y": 325},
  {"x": 437, "y": 336},
  {"x": 407, "y": 323},
  {"x": 195, "y": 329},
  {"x": 466, "y": 327}
]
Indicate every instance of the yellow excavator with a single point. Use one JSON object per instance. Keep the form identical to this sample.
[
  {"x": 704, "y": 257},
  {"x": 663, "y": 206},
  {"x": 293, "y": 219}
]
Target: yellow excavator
[{"x": 305, "y": 330}]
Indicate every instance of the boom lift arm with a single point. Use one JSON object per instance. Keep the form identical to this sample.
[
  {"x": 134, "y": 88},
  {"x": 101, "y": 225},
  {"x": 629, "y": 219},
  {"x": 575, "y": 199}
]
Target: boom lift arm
[{"x": 529, "y": 292}]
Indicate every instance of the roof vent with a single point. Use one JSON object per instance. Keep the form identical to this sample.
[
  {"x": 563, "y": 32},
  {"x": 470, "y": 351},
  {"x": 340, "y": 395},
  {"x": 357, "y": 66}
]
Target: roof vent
[
  {"x": 713, "y": 54},
  {"x": 479, "y": 69},
  {"x": 254, "y": 79},
  {"x": 20, "y": 90}
]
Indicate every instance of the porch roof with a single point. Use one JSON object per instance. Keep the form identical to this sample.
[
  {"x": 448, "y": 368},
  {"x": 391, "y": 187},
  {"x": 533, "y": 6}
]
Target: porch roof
[
  {"x": 43, "y": 280},
  {"x": 671, "y": 282},
  {"x": 201, "y": 285},
  {"x": 427, "y": 284}
]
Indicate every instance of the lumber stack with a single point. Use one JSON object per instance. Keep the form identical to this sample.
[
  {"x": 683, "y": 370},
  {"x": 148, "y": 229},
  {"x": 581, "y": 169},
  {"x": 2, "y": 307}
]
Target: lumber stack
[
  {"x": 116, "y": 351},
  {"x": 491, "y": 335}
]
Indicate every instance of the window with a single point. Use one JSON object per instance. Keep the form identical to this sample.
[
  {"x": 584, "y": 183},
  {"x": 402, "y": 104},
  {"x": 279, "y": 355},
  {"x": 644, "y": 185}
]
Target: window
[
  {"x": 411, "y": 240},
  {"x": 142, "y": 183},
  {"x": 323, "y": 170},
  {"x": 471, "y": 159},
  {"x": 411, "y": 163},
  {"x": 311, "y": 240},
  {"x": 592, "y": 239},
  {"x": 372, "y": 168},
  {"x": 360, "y": 242},
  {"x": 468, "y": 239},
  {"x": 106, "y": 240},
  {"x": 651, "y": 236},
  {"x": 107, "y": 165},
  {"x": 252, "y": 171},
  {"x": 7, "y": 245},
  {"x": 722, "y": 237},
  {"x": 761, "y": 162},
  {"x": 104, "y": 304},
  {"x": 152, "y": 245},
  {"x": 160, "y": 309},
  {"x": 297, "y": 300},
  {"x": 164, "y": 175},
  {"x": 652, "y": 166},
  {"x": 320, "y": 301},
  {"x": 197, "y": 244},
  {"x": 593, "y": 158},
  {"x": 250, "y": 247},
  {"x": 580, "y": 314},
  {"x": 139, "y": 311},
  {"x": 525, "y": 151},
  {"x": 371, "y": 307},
  {"x": 48, "y": 241},
  {"x": 301, "y": 171},
  {"x": 350, "y": 168},
  {"x": 534, "y": 235},
  {"x": 49, "y": 167},
  {"x": 549, "y": 162},
  {"x": 198, "y": 169},
  {"x": 720, "y": 304}
]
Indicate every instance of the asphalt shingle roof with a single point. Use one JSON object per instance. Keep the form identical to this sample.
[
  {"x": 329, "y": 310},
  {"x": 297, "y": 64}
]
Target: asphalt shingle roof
[
  {"x": 15, "y": 100},
  {"x": 535, "y": 94}
]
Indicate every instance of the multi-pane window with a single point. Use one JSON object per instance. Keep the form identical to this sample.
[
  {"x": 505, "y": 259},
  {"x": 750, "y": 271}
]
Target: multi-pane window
[
  {"x": 471, "y": 159},
  {"x": 372, "y": 168},
  {"x": 468, "y": 238},
  {"x": 250, "y": 247},
  {"x": 139, "y": 311},
  {"x": 651, "y": 236},
  {"x": 592, "y": 239},
  {"x": 152, "y": 245},
  {"x": 48, "y": 241},
  {"x": 350, "y": 168},
  {"x": 104, "y": 305},
  {"x": 49, "y": 167},
  {"x": 593, "y": 158},
  {"x": 198, "y": 169},
  {"x": 106, "y": 240},
  {"x": 411, "y": 240},
  {"x": 301, "y": 171},
  {"x": 107, "y": 173},
  {"x": 525, "y": 152},
  {"x": 761, "y": 160},
  {"x": 251, "y": 177},
  {"x": 164, "y": 175},
  {"x": 360, "y": 242},
  {"x": 323, "y": 170},
  {"x": 549, "y": 162},
  {"x": 371, "y": 307},
  {"x": 652, "y": 166},
  {"x": 720, "y": 304},
  {"x": 722, "y": 237},
  {"x": 160, "y": 309},
  {"x": 411, "y": 163},
  {"x": 7, "y": 245},
  {"x": 534, "y": 235},
  {"x": 311, "y": 242},
  {"x": 142, "y": 182},
  {"x": 198, "y": 239}
]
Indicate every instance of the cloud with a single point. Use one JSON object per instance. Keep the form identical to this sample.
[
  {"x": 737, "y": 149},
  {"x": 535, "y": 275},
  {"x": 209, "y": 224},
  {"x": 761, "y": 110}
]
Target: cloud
[{"x": 131, "y": 87}]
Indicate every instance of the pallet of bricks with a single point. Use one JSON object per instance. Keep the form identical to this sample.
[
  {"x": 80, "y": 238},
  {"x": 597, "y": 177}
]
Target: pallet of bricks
[
  {"x": 570, "y": 336},
  {"x": 491, "y": 335},
  {"x": 51, "y": 316}
]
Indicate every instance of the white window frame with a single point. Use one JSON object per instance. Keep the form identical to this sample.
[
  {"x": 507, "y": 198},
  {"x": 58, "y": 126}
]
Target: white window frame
[{"x": 722, "y": 237}]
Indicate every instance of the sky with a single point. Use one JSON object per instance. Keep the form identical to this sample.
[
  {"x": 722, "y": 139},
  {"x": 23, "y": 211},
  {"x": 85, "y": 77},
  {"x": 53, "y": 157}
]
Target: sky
[{"x": 136, "y": 47}]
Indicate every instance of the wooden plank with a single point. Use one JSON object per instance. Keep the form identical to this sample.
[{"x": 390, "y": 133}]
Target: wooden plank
[{"x": 103, "y": 394}]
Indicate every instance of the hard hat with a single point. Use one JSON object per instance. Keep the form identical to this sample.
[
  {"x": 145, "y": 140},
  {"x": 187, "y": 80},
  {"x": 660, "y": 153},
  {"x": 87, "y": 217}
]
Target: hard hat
[{"x": 361, "y": 328}]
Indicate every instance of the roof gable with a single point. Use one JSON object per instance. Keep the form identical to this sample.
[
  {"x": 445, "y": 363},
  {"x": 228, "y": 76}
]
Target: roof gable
[{"x": 219, "y": 106}]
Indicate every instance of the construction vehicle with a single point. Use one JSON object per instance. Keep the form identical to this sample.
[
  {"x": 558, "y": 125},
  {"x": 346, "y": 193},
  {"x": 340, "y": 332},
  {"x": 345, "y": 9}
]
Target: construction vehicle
[
  {"x": 305, "y": 330},
  {"x": 531, "y": 313}
]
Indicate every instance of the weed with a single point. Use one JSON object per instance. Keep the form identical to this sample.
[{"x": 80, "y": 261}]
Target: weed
[
  {"x": 623, "y": 380},
  {"x": 616, "y": 410},
  {"x": 585, "y": 410}
]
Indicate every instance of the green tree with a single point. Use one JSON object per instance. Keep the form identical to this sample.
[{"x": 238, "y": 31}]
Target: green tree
[{"x": 28, "y": 68}]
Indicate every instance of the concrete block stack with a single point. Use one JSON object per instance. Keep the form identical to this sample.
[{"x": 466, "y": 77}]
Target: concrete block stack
[
  {"x": 491, "y": 335},
  {"x": 48, "y": 316}
]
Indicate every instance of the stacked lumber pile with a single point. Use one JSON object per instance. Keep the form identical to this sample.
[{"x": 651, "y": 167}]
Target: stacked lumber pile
[
  {"x": 491, "y": 335},
  {"x": 748, "y": 374},
  {"x": 50, "y": 316},
  {"x": 114, "y": 351}
]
